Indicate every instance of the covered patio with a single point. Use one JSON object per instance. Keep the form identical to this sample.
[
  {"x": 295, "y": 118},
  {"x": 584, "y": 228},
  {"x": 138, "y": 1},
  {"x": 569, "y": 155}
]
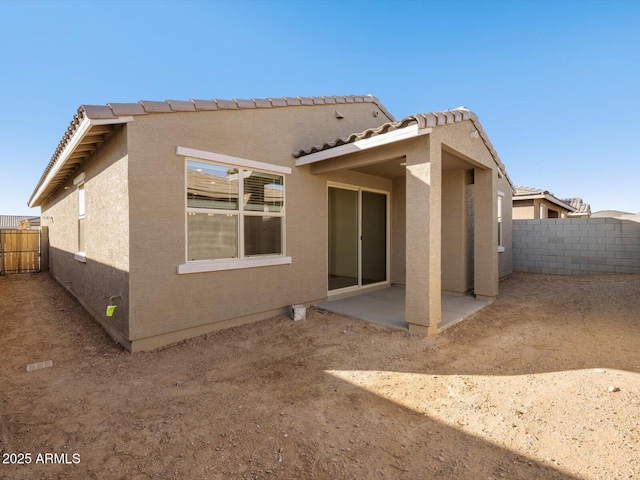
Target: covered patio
[
  {"x": 442, "y": 240},
  {"x": 387, "y": 307}
]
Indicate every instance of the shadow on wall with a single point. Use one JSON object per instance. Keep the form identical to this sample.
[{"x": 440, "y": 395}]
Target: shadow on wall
[{"x": 93, "y": 283}]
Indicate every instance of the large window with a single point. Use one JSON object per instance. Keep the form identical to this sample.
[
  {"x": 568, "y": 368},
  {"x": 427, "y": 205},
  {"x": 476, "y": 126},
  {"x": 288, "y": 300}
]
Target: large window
[{"x": 233, "y": 212}]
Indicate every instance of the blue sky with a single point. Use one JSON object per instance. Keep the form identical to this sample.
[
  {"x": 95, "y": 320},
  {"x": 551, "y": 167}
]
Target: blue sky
[{"x": 555, "y": 83}]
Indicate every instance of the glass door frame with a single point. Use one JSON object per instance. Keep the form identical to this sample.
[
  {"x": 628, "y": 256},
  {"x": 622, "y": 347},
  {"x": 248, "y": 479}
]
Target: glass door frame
[{"x": 359, "y": 286}]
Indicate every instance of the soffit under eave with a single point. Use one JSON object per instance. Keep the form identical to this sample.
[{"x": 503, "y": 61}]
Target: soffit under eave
[{"x": 91, "y": 141}]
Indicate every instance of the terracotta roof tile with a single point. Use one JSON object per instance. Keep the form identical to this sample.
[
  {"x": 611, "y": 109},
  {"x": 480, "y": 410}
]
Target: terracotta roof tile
[
  {"x": 581, "y": 207},
  {"x": 205, "y": 105},
  {"x": 262, "y": 103},
  {"x": 291, "y": 101},
  {"x": 114, "y": 110},
  {"x": 246, "y": 103},
  {"x": 423, "y": 120},
  {"x": 125, "y": 109},
  {"x": 305, "y": 100},
  {"x": 99, "y": 112},
  {"x": 278, "y": 102},
  {"x": 155, "y": 107},
  {"x": 519, "y": 190},
  {"x": 226, "y": 104},
  {"x": 181, "y": 105}
]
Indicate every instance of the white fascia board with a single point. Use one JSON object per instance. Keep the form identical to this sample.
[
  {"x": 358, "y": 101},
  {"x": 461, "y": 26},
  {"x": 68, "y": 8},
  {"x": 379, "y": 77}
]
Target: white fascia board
[
  {"x": 528, "y": 197},
  {"x": 547, "y": 197},
  {"x": 405, "y": 133},
  {"x": 559, "y": 202},
  {"x": 77, "y": 138},
  {"x": 232, "y": 161}
]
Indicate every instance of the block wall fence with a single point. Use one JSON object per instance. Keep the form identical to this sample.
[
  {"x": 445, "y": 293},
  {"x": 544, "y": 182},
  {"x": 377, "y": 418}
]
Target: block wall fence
[{"x": 572, "y": 246}]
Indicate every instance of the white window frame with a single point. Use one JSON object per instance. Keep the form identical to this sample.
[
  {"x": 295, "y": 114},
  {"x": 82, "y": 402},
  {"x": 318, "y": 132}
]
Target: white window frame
[
  {"x": 542, "y": 212},
  {"x": 243, "y": 261},
  {"x": 500, "y": 222},
  {"x": 79, "y": 182},
  {"x": 360, "y": 190}
]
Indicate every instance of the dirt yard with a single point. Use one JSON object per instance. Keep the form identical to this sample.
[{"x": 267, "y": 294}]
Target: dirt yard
[{"x": 519, "y": 391}]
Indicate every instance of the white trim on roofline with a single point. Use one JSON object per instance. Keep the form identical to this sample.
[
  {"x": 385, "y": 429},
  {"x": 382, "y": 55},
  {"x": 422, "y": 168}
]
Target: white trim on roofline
[
  {"x": 229, "y": 160},
  {"x": 547, "y": 197},
  {"x": 76, "y": 139},
  {"x": 405, "y": 133}
]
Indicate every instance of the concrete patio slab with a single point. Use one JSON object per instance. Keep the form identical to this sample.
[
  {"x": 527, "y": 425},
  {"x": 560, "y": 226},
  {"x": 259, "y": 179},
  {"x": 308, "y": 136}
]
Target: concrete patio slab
[{"x": 387, "y": 307}]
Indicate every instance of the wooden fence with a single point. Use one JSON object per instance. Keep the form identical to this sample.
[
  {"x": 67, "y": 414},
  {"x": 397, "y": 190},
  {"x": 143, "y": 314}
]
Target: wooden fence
[{"x": 19, "y": 251}]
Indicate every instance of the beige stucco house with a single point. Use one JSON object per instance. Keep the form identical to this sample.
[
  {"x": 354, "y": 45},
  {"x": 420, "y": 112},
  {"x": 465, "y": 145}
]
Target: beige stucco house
[
  {"x": 534, "y": 203},
  {"x": 192, "y": 216}
]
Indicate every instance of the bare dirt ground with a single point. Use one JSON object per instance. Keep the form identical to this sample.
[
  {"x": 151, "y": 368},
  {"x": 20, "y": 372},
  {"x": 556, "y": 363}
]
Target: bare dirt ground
[{"x": 519, "y": 391}]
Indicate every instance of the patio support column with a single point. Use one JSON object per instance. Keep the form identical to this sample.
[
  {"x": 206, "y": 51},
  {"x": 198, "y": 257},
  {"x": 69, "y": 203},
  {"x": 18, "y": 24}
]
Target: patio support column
[
  {"x": 423, "y": 240},
  {"x": 485, "y": 255}
]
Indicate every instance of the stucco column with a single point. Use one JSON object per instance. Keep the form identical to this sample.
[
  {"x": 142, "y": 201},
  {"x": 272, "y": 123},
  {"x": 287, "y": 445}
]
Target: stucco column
[
  {"x": 423, "y": 214},
  {"x": 485, "y": 255}
]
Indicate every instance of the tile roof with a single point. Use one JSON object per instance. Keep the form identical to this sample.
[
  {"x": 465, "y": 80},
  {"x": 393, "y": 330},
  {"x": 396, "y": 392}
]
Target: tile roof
[
  {"x": 546, "y": 194},
  {"x": 11, "y": 221},
  {"x": 145, "y": 107},
  {"x": 577, "y": 203},
  {"x": 423, "y": 120},
  {"x": 531, "y": 191},
  {"x": 114, "y": 111}
]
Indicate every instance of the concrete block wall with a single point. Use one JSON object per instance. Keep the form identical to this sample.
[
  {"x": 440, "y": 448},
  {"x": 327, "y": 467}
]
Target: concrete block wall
[{"x": 576, "y": 246}]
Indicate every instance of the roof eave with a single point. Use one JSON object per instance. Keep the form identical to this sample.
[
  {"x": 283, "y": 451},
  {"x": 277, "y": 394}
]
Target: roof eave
[
  {"x": 410, "y": 131},
  {"x": 64, "y": 158},
  {"x": 547, "y": 197}
]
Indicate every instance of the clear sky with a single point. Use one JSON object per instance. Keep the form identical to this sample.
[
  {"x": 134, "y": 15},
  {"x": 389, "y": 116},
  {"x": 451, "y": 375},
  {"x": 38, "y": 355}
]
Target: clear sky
[{"x": 556, "y": 84}]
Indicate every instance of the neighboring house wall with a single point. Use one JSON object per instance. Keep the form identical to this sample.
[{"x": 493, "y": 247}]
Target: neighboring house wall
[
  {"x": 106, "y": 271},
  {"x": 576, "y": 246},
  {"x": 530, "y": 209},
  {"x": 524, "y": 209}
]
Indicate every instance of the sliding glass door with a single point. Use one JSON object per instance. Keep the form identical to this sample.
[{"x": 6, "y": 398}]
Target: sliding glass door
[{"x": 357, "y": 243}]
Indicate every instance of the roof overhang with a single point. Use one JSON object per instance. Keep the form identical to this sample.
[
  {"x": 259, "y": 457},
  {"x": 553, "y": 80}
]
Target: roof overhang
[
  {"x": 86, "y": 139},
  {"x": 411, "y": 131},
  {"x": 549, "y": 198}
]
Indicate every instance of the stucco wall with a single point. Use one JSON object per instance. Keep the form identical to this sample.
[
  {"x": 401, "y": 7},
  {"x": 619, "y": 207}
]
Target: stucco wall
[
  {"x": 505, "y": 259},
  {"x": 530, "y": 209},
  {"x": 106, "y": 271},
  {"x": 456, "y": 263},
  {"x": 576, "y": 246},
  {"x": 523, "y": 210},
  {"x": 163, "y": 301},
  {"x": 398, "y": 232}
]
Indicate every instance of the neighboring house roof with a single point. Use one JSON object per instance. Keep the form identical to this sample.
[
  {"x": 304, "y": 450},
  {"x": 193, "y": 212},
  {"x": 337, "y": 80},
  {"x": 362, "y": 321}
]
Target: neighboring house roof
[
  {"x": 422, "y": 120},
  {"x": 529, "y": 193},
  {"x": 93, "y": 124},
  {"x": 610, "y": 213},
  {"x": 582, "y": 209},
  {"x": 12, "y": 221}
]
